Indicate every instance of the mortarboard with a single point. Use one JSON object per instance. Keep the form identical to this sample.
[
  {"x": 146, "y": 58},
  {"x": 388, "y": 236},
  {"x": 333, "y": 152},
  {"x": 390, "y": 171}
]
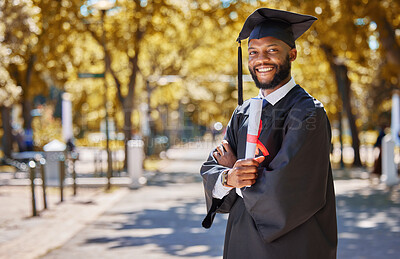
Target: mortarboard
[{"x": 264, "y": 22}]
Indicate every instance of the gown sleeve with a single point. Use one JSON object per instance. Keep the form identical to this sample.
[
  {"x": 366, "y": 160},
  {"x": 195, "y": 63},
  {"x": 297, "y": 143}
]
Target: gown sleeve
[
  {"x": 293, "y": 186},
  {"x": 210, "y": 171}
]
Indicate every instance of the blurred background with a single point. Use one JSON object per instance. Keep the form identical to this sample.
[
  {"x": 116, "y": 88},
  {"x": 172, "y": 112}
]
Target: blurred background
[
  {"x": 140, "y": 91},
  {"x": 95, "y": 74}
]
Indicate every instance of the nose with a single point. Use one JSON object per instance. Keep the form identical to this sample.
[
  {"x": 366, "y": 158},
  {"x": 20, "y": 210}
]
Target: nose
[{"x": 262, "y": 58}]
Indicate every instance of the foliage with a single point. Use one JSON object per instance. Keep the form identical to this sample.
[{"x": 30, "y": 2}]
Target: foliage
[
  {"x": 187, "y": 53},
  {"x": 46, "y": 128},
  {"x": 356, "y": 31},
  {"x": 16, "y": 26}
]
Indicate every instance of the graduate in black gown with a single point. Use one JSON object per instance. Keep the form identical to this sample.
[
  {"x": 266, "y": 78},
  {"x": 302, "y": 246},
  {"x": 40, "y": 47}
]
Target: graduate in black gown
[{"x": 289, "y": 209}]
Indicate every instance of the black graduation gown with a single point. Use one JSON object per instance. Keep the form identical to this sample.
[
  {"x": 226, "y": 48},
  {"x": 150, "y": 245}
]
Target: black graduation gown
[{"x": 290, "y": 211}]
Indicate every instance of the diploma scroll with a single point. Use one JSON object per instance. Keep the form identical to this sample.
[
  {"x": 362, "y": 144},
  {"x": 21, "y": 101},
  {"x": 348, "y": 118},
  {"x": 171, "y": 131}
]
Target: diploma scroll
[{"x": 253, "y": 127}]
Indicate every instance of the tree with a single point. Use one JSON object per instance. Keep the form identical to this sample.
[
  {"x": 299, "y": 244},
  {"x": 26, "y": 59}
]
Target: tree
[
  {"x": 145, "y": 39},
  {"x": 125, "y": 31},
  {"x": 341, "y": 41},
  {"x": 45, "y": 49},
  {"x": 385, "y": 15},
  {"x": 16, "y": 27},
  {"x": 198, "y": 51}
]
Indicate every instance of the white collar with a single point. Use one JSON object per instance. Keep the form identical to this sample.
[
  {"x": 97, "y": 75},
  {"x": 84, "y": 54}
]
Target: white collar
[{"x": 279, "y": 93}]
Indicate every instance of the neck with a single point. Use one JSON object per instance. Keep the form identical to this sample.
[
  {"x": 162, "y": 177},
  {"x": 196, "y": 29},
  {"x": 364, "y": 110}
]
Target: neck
[{"x": 266, "y": 92}]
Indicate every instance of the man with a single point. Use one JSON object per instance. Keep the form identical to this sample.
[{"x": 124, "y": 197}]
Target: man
[{"x": 281, "y": 204}]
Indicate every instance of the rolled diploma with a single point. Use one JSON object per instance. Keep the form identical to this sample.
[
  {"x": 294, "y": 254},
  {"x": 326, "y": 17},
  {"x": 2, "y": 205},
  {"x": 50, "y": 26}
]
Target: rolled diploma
[{"x": 253, "y": 127}]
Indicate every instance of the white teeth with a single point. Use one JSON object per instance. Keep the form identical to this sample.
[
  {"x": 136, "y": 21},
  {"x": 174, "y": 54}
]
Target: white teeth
[{"x": 262, "y": 70}]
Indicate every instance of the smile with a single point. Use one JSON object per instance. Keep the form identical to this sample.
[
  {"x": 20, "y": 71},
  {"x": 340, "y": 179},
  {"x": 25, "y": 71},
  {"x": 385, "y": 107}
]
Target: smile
[{"x": 264, "y": 69}]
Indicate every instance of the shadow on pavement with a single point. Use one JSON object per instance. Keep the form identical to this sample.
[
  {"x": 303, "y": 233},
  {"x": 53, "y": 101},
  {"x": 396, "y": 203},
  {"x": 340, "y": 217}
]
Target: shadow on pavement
[
  {"x": 163, "y": 179},
  {"x": 368, "y": 223},
  {"x": 176, "y": 231}
]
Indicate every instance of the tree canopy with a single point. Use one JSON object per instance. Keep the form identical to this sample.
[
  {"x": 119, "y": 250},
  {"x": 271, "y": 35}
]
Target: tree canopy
[{"x": 180, "y": 58}]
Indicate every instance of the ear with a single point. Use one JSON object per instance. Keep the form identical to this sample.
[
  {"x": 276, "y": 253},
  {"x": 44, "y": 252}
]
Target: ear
[{"x": 292, "y": 54}]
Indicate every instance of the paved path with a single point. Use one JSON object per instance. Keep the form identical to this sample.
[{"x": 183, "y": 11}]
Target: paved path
[
  {"x": 24, "y": 237},
  {"x": 368, "y": 220},
  {"x": 160, "y": 220},
  {"x": 154, "y": 223},
  {"x": 150, "y": 223},
  {"x": 163, "y": 219}
]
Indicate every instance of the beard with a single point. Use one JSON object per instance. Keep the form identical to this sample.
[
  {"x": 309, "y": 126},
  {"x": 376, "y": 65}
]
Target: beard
[{"x": 283, "y": 71}]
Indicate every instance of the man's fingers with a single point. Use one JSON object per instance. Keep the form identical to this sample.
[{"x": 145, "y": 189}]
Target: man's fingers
[
  {"x": 220, "y": 150},
  {"x": 250, "y": 161},
  {"x": 251, "y": 176},
  {"x": 246, "y": 170},
  {"x": 247, "y": 162},
  {"x": 243, "y": 176},
  {"x": 216, "y": 155},
  {"x": 227, "y": 146}
]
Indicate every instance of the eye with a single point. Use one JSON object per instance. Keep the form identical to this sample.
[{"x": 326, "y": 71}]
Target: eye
[
  {"x": 253, "y": 52},
  {"x": 272, "y": 50}
]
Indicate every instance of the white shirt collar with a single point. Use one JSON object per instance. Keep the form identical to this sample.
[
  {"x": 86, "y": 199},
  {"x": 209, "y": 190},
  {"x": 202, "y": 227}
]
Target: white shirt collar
[{"x": 279, "y": 93}]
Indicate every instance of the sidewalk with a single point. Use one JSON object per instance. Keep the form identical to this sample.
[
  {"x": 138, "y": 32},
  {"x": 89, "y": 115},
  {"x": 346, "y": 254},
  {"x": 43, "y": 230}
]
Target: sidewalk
[
  {"x": 163, "y": 219},
  {"x": 368, "y": 215},
  {"x": 24, "y": 236},
  {"x": 150, "y": 223},
  {"x": 156, "y": 222}
]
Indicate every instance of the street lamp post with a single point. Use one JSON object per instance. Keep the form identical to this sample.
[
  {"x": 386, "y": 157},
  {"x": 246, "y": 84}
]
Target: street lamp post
[{"x": 103, "y": 6}]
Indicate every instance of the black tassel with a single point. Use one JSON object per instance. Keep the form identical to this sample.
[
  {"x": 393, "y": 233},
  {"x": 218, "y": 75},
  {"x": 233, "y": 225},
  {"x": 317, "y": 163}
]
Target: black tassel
[{"x": 240, "y": 76}]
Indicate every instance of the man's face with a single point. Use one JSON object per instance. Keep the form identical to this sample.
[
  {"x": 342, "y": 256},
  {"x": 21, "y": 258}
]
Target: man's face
[{"x": 270, "y": 62}]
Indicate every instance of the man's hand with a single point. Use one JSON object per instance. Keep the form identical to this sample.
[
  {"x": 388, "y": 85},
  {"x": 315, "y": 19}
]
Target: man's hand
[
  {"x": 225, "y": 155},
  {"x": 244, "y": 172}
]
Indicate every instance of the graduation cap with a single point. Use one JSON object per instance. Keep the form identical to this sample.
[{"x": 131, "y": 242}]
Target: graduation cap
[{"x": 264, "y": 22}]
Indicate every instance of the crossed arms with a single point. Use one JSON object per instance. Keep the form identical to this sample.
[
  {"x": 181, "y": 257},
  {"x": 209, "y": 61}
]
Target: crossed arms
[{"x": 242, "y": 172}]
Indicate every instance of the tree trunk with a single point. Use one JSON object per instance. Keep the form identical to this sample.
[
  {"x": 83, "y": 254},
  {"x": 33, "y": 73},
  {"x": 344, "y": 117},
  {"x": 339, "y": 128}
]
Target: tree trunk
[
  {"x": 125, "y": 101},
  {"x": 7, "y": 140},
  {"x": 345, "y": 91},
  {"x": 127, "y": 132},
  {"x": 26, "y": 112},
  {"x": 26, "y": 100},
  {"x": 343, "y": 85},
  {"x": 341, "y": 139},
  {"x": 27, "y": 115},
  {"x": 350, "y": 116}
]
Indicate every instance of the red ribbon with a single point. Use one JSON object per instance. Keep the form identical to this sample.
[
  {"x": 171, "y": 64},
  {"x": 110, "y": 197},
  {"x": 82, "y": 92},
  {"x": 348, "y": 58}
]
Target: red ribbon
[{"x": 260, "y": 146}]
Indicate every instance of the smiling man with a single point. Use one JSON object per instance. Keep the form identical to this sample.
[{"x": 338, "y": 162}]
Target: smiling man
[
  {"x": 275, "y": 71},
  {"x": 281, "y": 204}
]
